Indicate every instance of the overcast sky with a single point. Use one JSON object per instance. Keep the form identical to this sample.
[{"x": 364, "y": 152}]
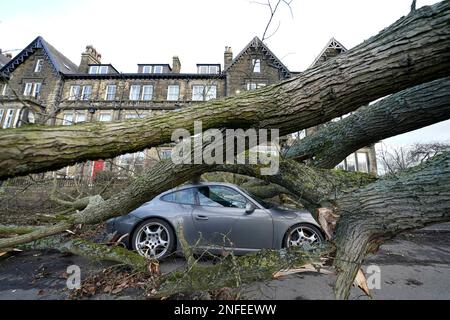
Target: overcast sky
[{"x": 152, "y": 31}]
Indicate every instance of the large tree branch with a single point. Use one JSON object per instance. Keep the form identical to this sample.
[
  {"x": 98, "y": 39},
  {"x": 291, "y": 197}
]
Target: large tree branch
[
  {"x": 411, "y": 51},
  {"x": 382, "y": 210},
  {"x": 402, "y": 112}
]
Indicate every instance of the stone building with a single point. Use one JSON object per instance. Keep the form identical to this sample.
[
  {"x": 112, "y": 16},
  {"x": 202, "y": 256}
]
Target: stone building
[{"x": 41, "y": 85}]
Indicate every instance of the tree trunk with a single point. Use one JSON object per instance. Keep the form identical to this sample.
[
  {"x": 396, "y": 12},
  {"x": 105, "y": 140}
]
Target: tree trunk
[
  {"x": 402, "y": 112},
  {"x": 386, "y": 208},
  {"x": 411, "y": 51}
]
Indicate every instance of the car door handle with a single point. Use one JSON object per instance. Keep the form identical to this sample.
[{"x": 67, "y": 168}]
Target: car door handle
[{"x": 199, "y": 217}]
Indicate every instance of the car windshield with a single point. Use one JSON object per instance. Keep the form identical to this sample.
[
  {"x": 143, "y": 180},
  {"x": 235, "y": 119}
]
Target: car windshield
[{"x": 265, "y": 204}]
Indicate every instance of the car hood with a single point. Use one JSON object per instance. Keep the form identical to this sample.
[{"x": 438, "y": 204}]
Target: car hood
[
  {"x": 287, "y": 212},
  {"x": 279, "y": 212}
]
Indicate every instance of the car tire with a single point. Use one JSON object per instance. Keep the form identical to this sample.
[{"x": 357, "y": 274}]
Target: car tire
[
  {"x": 154, "y": 239},
  {"x": 302, "y": 233}
]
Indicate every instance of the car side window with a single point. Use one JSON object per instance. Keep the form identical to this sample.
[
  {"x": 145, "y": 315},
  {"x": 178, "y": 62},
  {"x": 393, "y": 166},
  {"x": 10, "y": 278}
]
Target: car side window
[
  {"x": 220, "y": 196},
  {"x": 186, "y": 196}
]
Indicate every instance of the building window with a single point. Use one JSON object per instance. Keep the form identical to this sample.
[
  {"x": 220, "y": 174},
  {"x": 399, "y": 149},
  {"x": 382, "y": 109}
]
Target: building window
[
  {"x": 28, "y": 89},
  {"x": 32, "y": 89},
  {"x": 80, "y": 117},
  {"x": 208, "y": 69},
  {"x": 351, "y": 162},
  {"x": 8, "y": 119},
  {"x": 341, "y": 166},
  {"x": 39, "y": 65},
  {"x": 253, "y": 86},
  {"x": 105, "y": 117},
  {"x": 158, "y": 69},
  {"x": 147, "y": 69},
  {"x": 135, "y": 93},
  {"x": 67, "y": 119},
  {"x": 362, "y": 162},
  {"x": 37, "y": 89},
  {"x": 86, "y": 94},
  {"x": 132, "y": 116},
  {"x": 74, "y": 93},
  {"x": 211, "y": 93},
  {"x": 5, "y": 89},
  {"x": 166, "y": 154},
  {"x": 173, "y": 93},
  {"x": 204, "y": 93},
  {"x": 93, "y": 70},
  {"x": 103, "y": 70},
  {"x": 1, "y": 115},
  {"x": 256, "y": 65},
  {"x": 147, "y": 93},
  {"x": 110, "y": 92},
  {"x": 197, "y": 93}
]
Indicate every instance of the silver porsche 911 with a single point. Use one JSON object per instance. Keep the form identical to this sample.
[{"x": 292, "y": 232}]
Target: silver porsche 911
[{"x": 214, "y": 216}]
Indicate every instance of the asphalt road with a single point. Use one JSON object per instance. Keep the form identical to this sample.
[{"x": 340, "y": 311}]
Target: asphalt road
[{"x": 412, "y": 266}]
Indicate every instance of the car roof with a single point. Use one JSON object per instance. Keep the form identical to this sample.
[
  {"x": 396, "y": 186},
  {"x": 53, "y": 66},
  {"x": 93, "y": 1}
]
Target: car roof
[{"x": 200, "y": 184}]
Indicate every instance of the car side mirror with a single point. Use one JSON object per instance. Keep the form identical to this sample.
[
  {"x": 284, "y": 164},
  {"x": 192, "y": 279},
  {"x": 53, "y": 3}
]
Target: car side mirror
[{"x": 249, "y": 208}]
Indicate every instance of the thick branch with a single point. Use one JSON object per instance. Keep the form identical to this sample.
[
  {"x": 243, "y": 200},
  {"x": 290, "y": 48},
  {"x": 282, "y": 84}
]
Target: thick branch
[
  {"x": 411, "y": 51},
  {"x": 382, "y": 210},
  {"x": 402, "y": 112}
]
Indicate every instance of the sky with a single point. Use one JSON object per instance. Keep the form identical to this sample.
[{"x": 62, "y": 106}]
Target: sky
[{"x": 153, "y": 31}]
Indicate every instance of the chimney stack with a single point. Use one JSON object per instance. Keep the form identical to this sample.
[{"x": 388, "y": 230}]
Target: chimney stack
[
  {"x": 90, "y": 56},
  {"x": 228, "y": 57},
  {"x": 176, "y": 65}
]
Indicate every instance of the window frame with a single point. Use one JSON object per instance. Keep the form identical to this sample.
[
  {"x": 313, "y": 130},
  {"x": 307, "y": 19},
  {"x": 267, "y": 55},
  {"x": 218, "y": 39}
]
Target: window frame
[
  {"x": 191, "y": 189},
  {"x": 247, "y": 200},
  {"x": 158, "y": 69},
  {"x": 256, "y": 65},
  {"x": 67, "y": 122},
  {"x": 93, "y": 68},
  {"x": 150, "y": 69},
  {"x": 107, "y": 93},
  {"x": 28, "y": 89},
  {"x": 135, "y": 96},
  {"x": 83, "y": 93},
  {"x": 76, "y": 96},
  {"x": 9, "y": 118},
  {"x": 39, "y": 65},
  {"x": 169, "y": 93},
  {"x": 37, "y": 87},
  {"x": 146, "y": 86},
  {"x": 105, "y": 114}
]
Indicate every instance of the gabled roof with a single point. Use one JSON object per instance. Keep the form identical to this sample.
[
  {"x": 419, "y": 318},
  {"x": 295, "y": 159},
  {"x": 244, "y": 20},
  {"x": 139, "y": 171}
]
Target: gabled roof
[
  {"x": 60, "y": 63},
  {"x": 332, "y": 49},
  {"x": 257, "y": 43}
]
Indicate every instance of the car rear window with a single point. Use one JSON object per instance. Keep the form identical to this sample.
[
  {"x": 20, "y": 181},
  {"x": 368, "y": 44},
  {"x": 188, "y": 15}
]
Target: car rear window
[{"x": 182, "y": 197}]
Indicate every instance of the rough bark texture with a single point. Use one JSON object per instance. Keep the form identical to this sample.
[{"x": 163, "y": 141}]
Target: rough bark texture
[
  {"x": 411, "y": 51},
  {"x": 233, "y": 272},
  {"x": 313, "y": 187},
  {"x": 402, "y": 112},
  {"x": 386, "y": 208}
]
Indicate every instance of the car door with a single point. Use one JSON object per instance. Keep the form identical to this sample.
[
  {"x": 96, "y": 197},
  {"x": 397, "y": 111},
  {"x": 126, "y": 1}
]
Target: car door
[{"x": 221, "y": 220}]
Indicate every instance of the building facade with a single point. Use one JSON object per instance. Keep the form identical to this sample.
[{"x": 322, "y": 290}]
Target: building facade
[{"x": 41, "y": 85}]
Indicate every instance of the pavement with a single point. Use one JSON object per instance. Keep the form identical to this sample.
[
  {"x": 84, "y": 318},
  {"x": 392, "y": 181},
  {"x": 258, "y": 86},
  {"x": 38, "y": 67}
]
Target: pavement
[{"x": 414, "y": 265}]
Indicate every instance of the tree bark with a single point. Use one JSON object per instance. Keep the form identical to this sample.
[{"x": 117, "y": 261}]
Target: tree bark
[
  {"x": 411, "y": 51},
  {"x": 402, "y": 112},
  {"x": 382, "y": 210}
]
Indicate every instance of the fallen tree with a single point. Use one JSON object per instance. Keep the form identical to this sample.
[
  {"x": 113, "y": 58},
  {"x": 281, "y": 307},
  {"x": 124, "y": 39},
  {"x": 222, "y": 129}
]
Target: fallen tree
[
  {"x": 291, "y": 105},
  {"x": 413, "y": 50},
  {"x": 402, "y": 112}
]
